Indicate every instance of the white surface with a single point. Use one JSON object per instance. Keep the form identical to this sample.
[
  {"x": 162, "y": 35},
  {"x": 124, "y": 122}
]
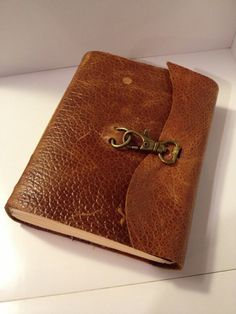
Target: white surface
[
  {"x": 210, "y": 294},
  {"x": 35, "y": 263},
  {"x": 37, "y": 35}
]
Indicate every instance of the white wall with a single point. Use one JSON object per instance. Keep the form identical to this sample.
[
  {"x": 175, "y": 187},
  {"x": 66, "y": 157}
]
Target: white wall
[
  {"x": 42, "y": 34},
  {"x": 233, "y": 47}
]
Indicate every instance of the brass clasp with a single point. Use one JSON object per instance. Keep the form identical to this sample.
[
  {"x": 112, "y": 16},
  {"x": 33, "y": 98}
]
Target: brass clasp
[{"x": 168, "y": 151}]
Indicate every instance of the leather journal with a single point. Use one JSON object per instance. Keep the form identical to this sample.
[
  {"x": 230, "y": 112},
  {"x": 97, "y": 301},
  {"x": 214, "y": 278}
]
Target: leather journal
[{"x": 119, "y": 162}]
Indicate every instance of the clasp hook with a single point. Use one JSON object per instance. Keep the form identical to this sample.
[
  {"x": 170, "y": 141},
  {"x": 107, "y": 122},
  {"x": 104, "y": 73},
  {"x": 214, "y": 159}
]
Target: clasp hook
[{"x": 161, "y": 148}]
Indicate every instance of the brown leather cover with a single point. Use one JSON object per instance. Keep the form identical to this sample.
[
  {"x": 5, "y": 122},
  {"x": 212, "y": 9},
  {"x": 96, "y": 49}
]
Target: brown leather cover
[{"x": 75, "y": 177}]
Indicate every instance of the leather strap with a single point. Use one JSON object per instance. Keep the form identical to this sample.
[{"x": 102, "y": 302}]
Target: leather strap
[{"x": 160, "y": 197}]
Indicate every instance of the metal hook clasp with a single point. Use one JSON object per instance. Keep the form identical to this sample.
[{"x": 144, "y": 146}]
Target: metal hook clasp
[{"x": 161, "y": 148}]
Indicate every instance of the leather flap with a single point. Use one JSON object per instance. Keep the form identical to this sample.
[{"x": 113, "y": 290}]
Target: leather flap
[{"x": 160, "y": 197}]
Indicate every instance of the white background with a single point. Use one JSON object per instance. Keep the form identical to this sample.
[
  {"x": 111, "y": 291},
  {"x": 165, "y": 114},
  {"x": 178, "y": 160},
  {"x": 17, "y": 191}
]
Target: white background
[
  {"x": 45, "y": 273},
  {"x": 44, "y": 34}
]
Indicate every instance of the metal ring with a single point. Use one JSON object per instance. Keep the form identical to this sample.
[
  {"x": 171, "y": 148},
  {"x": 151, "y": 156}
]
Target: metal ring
[
  {"x": 126, "y": 140},
  {"x": 174, "y": 153}
]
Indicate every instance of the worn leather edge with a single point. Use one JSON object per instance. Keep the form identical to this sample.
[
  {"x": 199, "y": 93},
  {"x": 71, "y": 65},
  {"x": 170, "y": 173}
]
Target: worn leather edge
[{"x": 160, "y": 198}]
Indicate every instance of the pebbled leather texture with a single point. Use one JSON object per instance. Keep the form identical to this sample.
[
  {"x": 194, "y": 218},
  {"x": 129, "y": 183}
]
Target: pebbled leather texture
[
  {"x": 75, "y": 177},
  {"x": 160, "y": 198}
]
